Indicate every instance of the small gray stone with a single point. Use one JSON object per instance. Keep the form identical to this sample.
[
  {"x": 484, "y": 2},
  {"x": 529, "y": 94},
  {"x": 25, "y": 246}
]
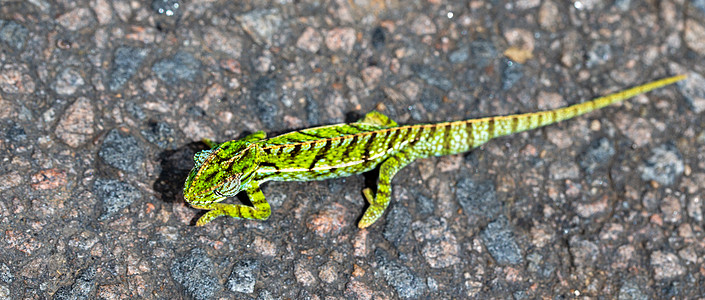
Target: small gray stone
[
  {"x": 405, "y": 283},
  {"x": 261, "y": 24},
  {"x": 68, "y": 82},
  {"x": 664, "y": 165},
  {"x": 160, "y": 134},
  {"x": 312, "y": 110},
  {"x": 264, "y": 94},
  {"x": 432, "y": 76},
  {"x": 135, "y": 111},
  {"x": 482, "y": 53},
  {"x": 539, "y": 266},
  {"x": 460, "y": 55},
  {"x": 15, "y": 133},
  {"x": 5, "y": 274},
  {"x": 115, "y": 195},
  {"x": 699, "y": 5},
  {"x": 182, "y": 66},
  {"x": 597, "y": 156},
  {"x": 693, "y": 90},
  {"x": 631, "y": 291},
  {"x": 81, "y": 289},
  {"x": 511, "y": 73},
  {"x": 500, "y": 242},
  {"x": 439, "y": 246},
  {"x": 243, "y": 277},
  {"x": 195, "y": 273},
  {"x": 431, "y": 99},
  {"x": 424, "y": 205},
  {"x": 125, "y": 64},
  {"x": 584, "y": 253},
  {"x": 599, "y": 54},
  {"x": 397, "y": 225},
  {"x": 13, "y": 34},
  {"x": 122, "y": 151},
  {"x": 478, "y": 199},
  {"x": 666, "y": 265}
]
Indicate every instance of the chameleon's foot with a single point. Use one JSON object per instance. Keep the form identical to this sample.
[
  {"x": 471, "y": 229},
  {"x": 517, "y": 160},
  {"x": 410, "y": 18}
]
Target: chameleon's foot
[
  {"x": 367, "y": 192},
  {"x": 209, "y": 216},
  {"x": 371, "y": 215},
  {"x": 209, "y": 143},
  {"x": 236, "y": 211},
  {"x": 373, "y": 212}
]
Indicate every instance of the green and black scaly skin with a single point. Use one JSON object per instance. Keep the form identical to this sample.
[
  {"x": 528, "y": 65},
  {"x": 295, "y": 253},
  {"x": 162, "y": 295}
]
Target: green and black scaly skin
[{"x": 345, "y": 149}]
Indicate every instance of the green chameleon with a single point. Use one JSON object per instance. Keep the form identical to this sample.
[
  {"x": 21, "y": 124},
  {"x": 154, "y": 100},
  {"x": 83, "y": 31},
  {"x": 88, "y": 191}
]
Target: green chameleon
[{"x": 345, "y": 149}]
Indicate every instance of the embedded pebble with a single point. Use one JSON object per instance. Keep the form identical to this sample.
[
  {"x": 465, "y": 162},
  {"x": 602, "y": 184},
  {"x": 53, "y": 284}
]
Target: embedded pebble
[
  {"x": 160, "y": 134},
  {"x": 76, "y": 125},
  {"x": 115, "y": 195},
  {"x": 81, "y": 288},
  {"x": 13, "y": 34},
  {"x": 584, "y": 253},
  {"x": 68, "y": 81},
  {"x": 632, "y": 291},
  {"x": 76, "y": 19},
  {"x": 340, "y": 39},
  {"x": 261, "y": 24},
  {"x": 512, "y": 72},
  {"x": 121, "y": 150},
  {"x": 244, "y": 276},
  {"x": 432, "y": 76},
  {"x": 180, "y": 67},
  {"x": 664, "y": 165},
  {"x": 405, "y": 283},
  {"x": 310, "y": 40},
  {"x": 264, "y": 95},
  {"x": 693, "y": 90},
  {"x": 597, "y": 156},
  {"x": 501, "y": 243},
  {"x": 195, "y": 272},
  {"x": 397, "y": 224},
  {"x": 549, "y": 17},
  {"x": 439, "y": 247},
  {"x": 423, "y": 25},
  {"x": 666, "y": 265},
  {"x": 694, "y": 35},
  {"x": 478, "y": 199},
  {"x": 126, "y": 61},
  {"x": 15, "y": 79}
]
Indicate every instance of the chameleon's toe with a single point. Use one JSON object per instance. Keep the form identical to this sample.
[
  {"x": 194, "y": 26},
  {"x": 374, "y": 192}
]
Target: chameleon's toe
[
  {"x": 209, "y": 216},
  {"x": 371, "y": 215},
  {"x": 367, "y": 192}
]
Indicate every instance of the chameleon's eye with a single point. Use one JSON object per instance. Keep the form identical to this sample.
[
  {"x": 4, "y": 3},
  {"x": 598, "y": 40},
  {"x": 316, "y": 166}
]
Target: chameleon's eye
[{"x": 230, "y": 187}]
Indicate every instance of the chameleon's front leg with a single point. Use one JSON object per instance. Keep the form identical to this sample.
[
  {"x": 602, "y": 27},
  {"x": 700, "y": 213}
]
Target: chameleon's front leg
[
  {"x": 380, "y": 201},
  {"x": 259, "y": 211}
]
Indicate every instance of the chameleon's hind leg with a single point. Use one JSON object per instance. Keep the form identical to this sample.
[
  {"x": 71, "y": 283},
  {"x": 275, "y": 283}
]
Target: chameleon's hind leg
[
  {"x": 377, "y": 118},
  {"x": 380, "y": 201},
  {"x": 259, "y": 210},
  {"x": 211, "y": 144}
]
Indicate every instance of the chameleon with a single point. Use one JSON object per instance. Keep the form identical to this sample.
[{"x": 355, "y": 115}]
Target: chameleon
[{"x": 340, "y": 150}]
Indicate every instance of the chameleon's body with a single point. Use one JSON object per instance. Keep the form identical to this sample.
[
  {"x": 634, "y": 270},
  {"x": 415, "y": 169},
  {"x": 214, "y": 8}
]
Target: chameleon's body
[{"x": 344, "y": 149}]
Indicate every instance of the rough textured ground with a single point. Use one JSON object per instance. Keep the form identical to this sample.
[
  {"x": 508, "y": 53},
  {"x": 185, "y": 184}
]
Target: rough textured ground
[{"x": 103, "y": 104}]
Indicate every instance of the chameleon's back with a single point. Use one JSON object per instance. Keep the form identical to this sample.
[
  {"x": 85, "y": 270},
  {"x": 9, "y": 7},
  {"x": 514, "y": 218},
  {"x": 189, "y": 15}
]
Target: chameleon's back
[{"x": 328, "y": 151}]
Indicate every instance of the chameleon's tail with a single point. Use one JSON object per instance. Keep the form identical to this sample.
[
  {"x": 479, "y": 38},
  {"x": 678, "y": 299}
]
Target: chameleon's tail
[{"x": 505, "y": 125}]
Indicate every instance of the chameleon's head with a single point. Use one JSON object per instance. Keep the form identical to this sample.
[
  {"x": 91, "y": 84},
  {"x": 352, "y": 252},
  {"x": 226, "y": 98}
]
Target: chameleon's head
[{"x": 222, "y": 172}]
